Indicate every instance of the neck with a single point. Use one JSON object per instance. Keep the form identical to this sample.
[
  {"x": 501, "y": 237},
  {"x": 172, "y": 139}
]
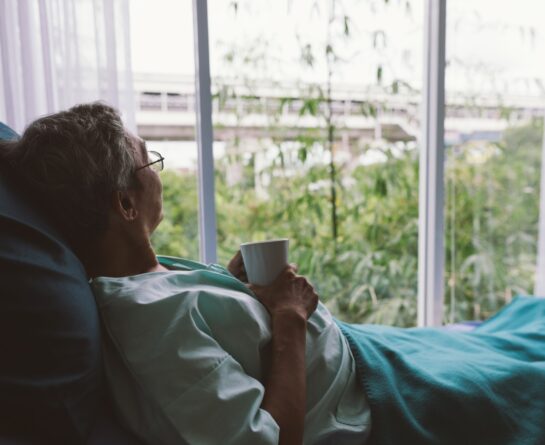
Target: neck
[{"x": 115, "y": 255}]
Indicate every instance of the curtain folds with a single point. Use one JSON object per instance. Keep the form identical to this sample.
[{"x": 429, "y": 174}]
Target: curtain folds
[{"x": 58, "y": 53}]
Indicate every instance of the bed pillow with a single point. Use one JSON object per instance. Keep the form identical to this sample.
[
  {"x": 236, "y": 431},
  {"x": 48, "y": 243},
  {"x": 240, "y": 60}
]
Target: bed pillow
[{"x": 50, "y": 373}]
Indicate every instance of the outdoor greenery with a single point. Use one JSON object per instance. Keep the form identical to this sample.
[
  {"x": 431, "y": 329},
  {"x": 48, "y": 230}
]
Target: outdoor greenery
[
  {"x": 371, "y": 274},
  {"x": 492, "y": 208},
  {"x": 353, "y": 225}
]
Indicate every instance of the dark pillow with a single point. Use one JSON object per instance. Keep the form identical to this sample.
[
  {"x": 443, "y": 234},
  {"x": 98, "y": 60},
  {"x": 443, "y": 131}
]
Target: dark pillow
[
  {"x": 50, "y": 368},
  {"x": 7, "y": 133}
]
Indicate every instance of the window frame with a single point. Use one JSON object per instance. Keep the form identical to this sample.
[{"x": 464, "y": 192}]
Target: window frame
[
  {"x": 205, "y": 135},
  {"x": 539, "y": 288},
  {"x": 431, "y": 251}
]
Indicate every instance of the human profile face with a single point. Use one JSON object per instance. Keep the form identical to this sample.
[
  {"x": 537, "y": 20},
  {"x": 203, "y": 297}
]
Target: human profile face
[{"x": 150, "y": 190}]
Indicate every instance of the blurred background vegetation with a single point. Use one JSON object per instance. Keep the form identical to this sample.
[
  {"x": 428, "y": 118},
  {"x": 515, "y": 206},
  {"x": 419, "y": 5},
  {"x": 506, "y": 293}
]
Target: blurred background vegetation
[
  {"x": 295, "y": 163},
  {"x": 370, "y": 275}
]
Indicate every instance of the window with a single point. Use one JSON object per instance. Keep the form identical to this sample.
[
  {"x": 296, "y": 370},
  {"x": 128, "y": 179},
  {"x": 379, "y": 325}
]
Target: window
[
  {"x": 318, "y": 125},
  {"x": 494, "y": 80},
  {"x": 320, "y": 136},
  {"x": 165, "y": 91}
]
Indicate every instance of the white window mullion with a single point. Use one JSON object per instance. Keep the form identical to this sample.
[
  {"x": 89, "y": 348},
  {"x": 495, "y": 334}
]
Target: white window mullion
[
  {"x": 431, "y": 251},
  {"x": 540, "y": 276},
  {"x": 203, "y": 107}
]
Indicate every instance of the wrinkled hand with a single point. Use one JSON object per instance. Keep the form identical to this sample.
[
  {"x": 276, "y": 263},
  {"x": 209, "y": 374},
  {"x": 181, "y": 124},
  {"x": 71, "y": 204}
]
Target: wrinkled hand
[
  {"x": 236, "y": 267},
  {"x": 288, "y": 293}
]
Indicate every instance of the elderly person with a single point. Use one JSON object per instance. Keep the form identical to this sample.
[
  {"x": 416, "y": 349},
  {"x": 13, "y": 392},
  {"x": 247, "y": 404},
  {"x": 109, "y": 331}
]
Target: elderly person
[
  {"x": 194, "y": 355},
  {"x": 214, "y": 362}
]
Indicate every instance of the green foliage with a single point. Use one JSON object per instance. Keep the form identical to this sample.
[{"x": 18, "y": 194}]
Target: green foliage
[
  {"x": 491, "y": 205},
  {"x": 178, "y": 233},
  {"x": 375, "y": 262},
  {"x": 353, "y": 228},
  {"x": 372, "y": 277},
  {"x": 492, "y": 209}
]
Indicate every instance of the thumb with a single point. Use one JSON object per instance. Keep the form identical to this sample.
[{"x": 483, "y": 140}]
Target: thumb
[{"x": 253, "y": 287}]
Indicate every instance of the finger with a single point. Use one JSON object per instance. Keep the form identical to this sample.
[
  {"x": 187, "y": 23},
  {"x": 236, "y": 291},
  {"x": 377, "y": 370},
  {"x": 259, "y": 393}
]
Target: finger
[
  {"x": 253, "y": 287},
  {"x": 235, "y": 262},
  {"x": 288, "y": 271},
  {"x": 305, "y": 283},
  {"x": 237, "y": 258},
  {"x": 311, "y": 292}
]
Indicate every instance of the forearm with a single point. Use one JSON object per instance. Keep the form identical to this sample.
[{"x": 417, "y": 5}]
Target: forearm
[{"x": 285, "y": 387}]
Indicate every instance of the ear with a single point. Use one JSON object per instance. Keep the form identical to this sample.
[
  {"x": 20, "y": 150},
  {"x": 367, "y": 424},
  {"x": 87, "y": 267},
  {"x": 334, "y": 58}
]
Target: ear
[{"x": 124, "y": 205}]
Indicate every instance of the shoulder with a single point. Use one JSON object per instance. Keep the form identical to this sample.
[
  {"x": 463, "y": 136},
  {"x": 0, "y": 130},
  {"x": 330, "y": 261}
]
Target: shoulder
[
  {"x": 160, "y": 287},
  {"x": 154, "y": 322},
  {"x": 199, "y": 299}
]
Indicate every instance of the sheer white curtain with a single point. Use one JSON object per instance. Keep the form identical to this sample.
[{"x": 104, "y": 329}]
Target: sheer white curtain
[{"x": 58, "y": 53}]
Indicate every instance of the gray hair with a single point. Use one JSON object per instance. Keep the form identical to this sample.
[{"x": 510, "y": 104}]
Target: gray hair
[{"x": 73, "y": 161}]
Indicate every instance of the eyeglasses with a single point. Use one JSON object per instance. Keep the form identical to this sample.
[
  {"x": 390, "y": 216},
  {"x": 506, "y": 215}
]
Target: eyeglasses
[{"x": 156, "y": 161}]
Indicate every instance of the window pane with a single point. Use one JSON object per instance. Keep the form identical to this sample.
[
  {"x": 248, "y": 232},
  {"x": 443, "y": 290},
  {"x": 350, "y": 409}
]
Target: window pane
[
  {"x": 162, "y": 50},
  {"x": 316, "y": 113},
  {"x": 493, "y": 133}
]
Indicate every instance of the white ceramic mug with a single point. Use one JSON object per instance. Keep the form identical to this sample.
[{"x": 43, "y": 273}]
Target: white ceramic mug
[{"x": 264, "y": 260}]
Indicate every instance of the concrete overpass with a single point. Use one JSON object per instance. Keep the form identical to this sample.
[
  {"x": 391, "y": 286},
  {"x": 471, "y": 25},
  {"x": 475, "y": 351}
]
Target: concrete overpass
[{"x": 166, "y": 111}]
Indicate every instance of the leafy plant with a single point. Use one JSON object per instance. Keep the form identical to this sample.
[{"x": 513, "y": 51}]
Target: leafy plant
[{"x": 491, "y": 216}]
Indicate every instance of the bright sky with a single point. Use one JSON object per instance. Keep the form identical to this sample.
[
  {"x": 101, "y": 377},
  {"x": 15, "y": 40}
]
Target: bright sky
[
  {"x": 487, "y": 40},
  {"x": 494, "y": 46},
  {"x": 280, "y": 28}
]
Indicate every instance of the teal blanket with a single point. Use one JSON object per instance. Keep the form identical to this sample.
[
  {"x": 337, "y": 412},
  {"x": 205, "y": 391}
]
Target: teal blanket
[{"x": 434, "y": 386}]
